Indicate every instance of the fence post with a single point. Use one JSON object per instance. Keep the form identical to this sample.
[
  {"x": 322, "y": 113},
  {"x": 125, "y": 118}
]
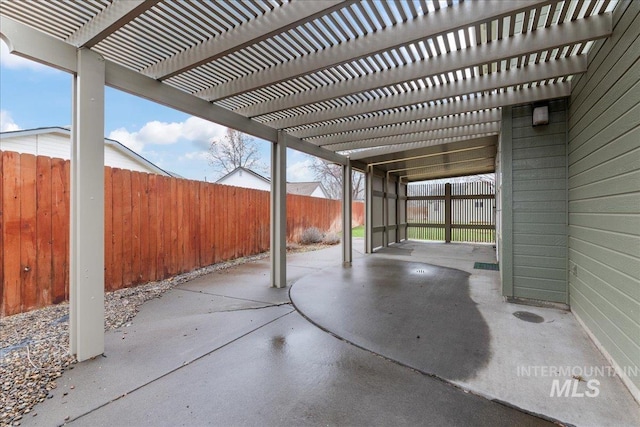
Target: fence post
[{"x": 447, "y": 213}]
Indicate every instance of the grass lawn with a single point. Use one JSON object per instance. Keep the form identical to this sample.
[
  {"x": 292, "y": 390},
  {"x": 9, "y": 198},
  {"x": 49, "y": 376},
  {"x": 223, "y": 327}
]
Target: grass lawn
[
  {"x": 357, "y": 231},
  {"x": 457, "y": 235}
]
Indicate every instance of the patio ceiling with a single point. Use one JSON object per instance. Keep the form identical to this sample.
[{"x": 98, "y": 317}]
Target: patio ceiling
[{"x": 414, "y": 87}]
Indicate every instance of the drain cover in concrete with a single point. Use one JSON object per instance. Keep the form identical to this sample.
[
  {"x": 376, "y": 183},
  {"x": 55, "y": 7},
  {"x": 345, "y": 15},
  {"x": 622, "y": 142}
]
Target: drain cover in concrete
[
  {"x": 486, "y": 266},
  {"x": 528, "y": 317}
]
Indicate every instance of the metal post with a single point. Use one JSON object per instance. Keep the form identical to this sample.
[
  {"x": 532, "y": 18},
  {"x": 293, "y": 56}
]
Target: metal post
[
  {"x": 347, "y": 202},
  {"x": 368, "y": 220},
  {"x": 279, "y": 212},
  {"x": 385, "y": 211},
  {"x": 398, "y": 213},
  {"x": 87, "y": 208},
  {"x": 447, "y": 213}
]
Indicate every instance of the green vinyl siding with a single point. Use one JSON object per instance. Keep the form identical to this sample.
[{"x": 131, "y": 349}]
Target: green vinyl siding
[
  {"x": 604, "y": 191},
  {"x": 536, "y": 158}
]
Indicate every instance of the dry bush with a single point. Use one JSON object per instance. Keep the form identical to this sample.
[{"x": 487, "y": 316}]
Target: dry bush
[
  {"x": 331, "y": 239},
  {"x": 310, "y": 236}
]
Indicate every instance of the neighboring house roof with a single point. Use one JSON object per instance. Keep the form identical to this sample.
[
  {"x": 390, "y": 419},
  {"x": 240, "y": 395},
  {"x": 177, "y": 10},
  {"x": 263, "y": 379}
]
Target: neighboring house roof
[
  {"x": 306, "y": 188},
  {"x": 314, "y": 188},
  {"x": 240, "y": 168},
  {"x": 117, "y": 146}
]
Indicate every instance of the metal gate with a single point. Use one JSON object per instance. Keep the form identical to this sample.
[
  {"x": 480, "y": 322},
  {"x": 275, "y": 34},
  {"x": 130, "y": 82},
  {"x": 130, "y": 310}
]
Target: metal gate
[{"x": 458, "y": 212}]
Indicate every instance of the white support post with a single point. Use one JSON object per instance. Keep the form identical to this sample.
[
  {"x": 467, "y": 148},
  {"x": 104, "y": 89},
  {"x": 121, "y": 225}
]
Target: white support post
[
  {"x": 87, "y": 208},
  {"x": 347, "y": 203},
  {"x": 368, "y": 221},
  {"x": 385, "y": 211},
  {"x": 279, "y": 212}
]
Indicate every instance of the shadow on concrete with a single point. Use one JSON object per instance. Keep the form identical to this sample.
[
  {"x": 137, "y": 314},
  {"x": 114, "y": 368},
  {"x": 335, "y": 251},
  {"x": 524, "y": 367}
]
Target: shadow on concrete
[
  {"x": 395, "y": 251},
  {"x": 417, "y": 314}
]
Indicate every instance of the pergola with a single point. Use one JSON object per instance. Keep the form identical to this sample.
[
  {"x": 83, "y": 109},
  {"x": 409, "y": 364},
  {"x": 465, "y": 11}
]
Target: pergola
[{"x": 409, "y": 90}]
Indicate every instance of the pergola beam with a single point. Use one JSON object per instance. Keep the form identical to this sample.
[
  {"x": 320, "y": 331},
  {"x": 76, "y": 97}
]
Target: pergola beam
[
  {"x": 496, "y": 100},
  {"x": 375, "y": 154},
  {"x": 446, "y": 157},
  {"x": 438, "y": 123},
  {"x": 35, "y": 45},
  {"x": 129, "y": 81},
  {"x": 566, "y": 34},
  {"x": 512, "y": 77},
  {"x": 434, "y": 158},
  {"x": 279, "y": 20},
  {"x": 451, "y": 169},
  {"x": 445, "y": 20},
  {"x": 470, "y": 130},
  {"x": 111, "y": 19}
]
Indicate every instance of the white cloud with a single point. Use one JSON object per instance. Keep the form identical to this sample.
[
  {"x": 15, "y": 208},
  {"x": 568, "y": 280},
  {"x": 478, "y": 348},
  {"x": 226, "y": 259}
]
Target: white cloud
[
  {"x": 300, "y": 171},
  {"x": 128, "y": 139},
  {"x": 162, "y": 133},
  {"x": 197, "y": 129},
  {"x": 6, "y": 122},
  {"x": 195, "y": 155},
  {"x": 15, "y": 62}
]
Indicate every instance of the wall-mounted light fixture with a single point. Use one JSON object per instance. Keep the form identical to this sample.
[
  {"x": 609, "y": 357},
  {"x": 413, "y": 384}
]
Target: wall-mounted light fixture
[{"x": 540, "y": 114}]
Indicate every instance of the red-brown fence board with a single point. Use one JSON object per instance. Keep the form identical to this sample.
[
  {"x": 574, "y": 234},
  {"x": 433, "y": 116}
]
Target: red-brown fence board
[
  {"x": 155, "y": 227},
  {"x": 128, "y": 274},
  {"x": 152, "y": 203},
  {"x": 28, "y": 260},
  {"x": 1, "y": 238},
  {"x": 11, "y": 232},
  {"x": 108, "y": 228},
  {"x": 60, "y": 229},
  {"x": 136, "y": 262},
  {"x": 43, "y": 230},
  {"x": 118, "y": 229}
]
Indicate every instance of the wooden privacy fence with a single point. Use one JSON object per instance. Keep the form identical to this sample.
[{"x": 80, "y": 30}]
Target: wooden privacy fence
[
  {"x": 459, "y": 212},
  {"x": 155, "y": 227}
]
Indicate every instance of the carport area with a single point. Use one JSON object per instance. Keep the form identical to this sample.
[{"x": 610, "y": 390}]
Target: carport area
[
  {"x": 545, "y": 93},
  {"x": 227, "y": 349}
]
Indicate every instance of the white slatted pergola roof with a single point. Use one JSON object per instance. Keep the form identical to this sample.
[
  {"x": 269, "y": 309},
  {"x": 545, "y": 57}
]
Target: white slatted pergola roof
[{"x": 413, "y": 87}]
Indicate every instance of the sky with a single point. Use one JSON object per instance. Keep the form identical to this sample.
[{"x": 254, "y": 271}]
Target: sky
[{"x": 33, "y": 95}]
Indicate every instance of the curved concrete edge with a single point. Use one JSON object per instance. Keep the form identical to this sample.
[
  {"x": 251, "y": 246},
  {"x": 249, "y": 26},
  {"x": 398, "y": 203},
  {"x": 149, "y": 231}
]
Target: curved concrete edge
[{"x": 451, "y": 383}]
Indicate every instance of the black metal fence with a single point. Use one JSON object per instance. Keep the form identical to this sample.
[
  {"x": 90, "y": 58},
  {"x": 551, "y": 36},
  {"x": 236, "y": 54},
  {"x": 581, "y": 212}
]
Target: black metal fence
[{"x": 458, "y": 212}]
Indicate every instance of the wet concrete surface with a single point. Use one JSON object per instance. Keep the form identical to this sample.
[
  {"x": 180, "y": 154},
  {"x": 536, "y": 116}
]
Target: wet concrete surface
[
  {"x": 226, "y": 349},
  {"x": 415, "y": 313},
  {"x": 291, "y": 373}
]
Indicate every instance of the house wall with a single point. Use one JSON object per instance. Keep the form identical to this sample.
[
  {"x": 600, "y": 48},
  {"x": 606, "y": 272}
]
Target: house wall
[
  {"x": 59, "y": 147},
  {"x": 318, "y": 193},
  {"x": 533, "y": 195},
  {"x": 604, "y": 194},
  {"x": 245, "y": 180}
]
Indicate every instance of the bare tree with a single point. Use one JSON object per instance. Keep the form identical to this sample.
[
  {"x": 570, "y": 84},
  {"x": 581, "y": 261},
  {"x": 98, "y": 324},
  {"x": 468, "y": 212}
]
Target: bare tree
[
  {"x": 330, "y": 175},
  {"x": 234, "y": 150}
]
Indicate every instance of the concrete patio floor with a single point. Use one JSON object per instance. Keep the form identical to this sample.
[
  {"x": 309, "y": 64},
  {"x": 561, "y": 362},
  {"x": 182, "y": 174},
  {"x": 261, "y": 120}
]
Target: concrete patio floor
[{"x": 226, "y": 349}]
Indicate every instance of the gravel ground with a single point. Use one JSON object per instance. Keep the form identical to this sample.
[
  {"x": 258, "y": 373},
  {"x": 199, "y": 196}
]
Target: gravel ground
[{"x": 34, "y": 346}]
